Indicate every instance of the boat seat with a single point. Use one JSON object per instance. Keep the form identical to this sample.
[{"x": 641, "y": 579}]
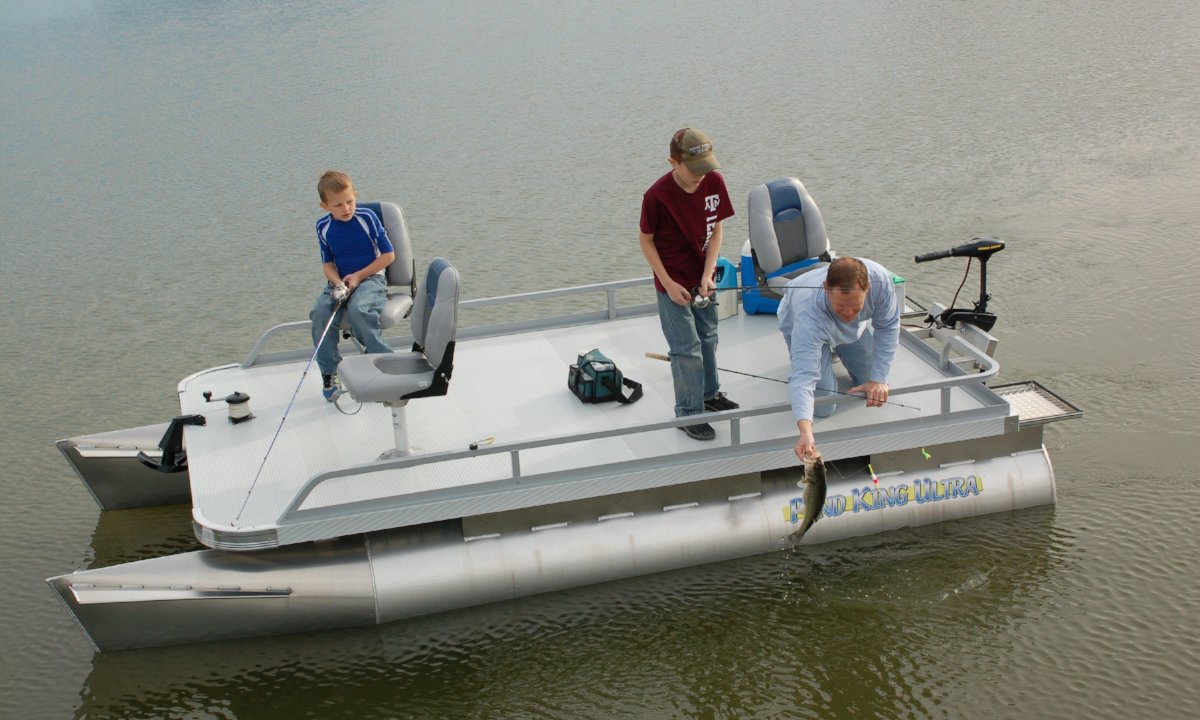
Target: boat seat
[
  {"x": 400, "y": 275},
  {"x": 395, "y": 378},
  {"x": 787, "y": 239}
]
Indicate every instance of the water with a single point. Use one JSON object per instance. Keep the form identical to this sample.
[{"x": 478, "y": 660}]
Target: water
[{"x": 159, "y": 170}]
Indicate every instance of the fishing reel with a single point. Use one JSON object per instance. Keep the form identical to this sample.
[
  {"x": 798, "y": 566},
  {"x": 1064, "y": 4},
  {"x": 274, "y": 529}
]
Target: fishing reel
[
  {"x": 982, "y": 248},
  {"x": 339, "y": 295},
  {"x": 702, "y": 301}
]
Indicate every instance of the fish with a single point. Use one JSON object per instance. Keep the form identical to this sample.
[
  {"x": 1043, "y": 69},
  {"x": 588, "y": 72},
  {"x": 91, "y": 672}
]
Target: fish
[{"x": 814, "y": 495}]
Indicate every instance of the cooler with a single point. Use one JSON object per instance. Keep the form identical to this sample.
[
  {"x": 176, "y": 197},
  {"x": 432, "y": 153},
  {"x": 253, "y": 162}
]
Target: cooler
[
  {"x": 752, "y": 298},
  {"x": 727, "y": 289}
]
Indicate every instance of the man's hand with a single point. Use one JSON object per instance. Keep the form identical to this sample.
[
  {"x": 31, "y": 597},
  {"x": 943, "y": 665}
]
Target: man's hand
[
  {"x": 707, "y": 286},
  {"x": 875, "y": 392},
  {"x": 805, "y": 445}
]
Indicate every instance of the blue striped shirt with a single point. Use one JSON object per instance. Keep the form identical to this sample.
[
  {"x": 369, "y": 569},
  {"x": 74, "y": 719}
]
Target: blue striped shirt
[{"x": 354, "y": 244}]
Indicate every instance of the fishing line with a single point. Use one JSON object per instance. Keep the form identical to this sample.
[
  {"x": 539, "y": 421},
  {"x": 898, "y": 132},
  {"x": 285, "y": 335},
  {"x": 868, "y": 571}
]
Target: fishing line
[
  {"x": 660, "y": 356},
  {"x": 334, "y": 316}
]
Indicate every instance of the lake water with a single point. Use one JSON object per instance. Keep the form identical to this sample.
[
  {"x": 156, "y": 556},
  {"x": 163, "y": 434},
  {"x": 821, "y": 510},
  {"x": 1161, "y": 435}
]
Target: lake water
[{"x": 158, "y": 189}]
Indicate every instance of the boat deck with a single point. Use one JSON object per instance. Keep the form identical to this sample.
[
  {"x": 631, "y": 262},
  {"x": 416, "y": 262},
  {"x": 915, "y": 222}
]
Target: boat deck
[{"x": 323, "y": 478}]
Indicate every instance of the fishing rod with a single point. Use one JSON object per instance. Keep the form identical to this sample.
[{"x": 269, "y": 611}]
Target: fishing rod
[
  {"x": 767, "y": 287},
  {"x": 339, "y": 295},
  {"x": 660, "y": 356},
  {"x": 702, "y": 301}
]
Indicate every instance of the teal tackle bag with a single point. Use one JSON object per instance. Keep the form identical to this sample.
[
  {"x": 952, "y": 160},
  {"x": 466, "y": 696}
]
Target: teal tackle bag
[{"x": 595, "y": 379}]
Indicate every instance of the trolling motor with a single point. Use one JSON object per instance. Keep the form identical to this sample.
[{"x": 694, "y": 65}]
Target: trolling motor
[{"x": 982, "y": 248}]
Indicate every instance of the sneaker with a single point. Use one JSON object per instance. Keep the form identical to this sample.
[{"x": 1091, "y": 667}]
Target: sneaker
[
  {"x": 703, "y": 431},
  {"x": 329, "y": 386},
  {"x": 719, "y": 403}
]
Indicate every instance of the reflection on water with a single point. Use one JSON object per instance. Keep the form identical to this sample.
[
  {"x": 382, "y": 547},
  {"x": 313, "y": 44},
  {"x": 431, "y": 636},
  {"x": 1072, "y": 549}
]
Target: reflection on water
[
  {"x": 129, "y": 535},
  {"x": 866, "y": 628}
]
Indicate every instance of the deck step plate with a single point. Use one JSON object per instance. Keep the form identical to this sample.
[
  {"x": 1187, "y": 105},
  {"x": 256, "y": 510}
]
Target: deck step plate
[{"x": 1035, "y": 404}]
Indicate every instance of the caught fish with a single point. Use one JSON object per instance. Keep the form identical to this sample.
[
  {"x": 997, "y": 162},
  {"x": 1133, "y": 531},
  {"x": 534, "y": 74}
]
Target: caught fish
[{"x": 814, "y": 495}]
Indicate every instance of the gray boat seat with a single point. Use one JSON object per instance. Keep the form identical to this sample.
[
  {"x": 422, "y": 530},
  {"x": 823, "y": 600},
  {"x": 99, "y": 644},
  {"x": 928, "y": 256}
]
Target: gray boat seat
[
  {"x": 787, "y": 234},
  {"x": 400, "y": 275},
  {"x": 395, "y": 378}
]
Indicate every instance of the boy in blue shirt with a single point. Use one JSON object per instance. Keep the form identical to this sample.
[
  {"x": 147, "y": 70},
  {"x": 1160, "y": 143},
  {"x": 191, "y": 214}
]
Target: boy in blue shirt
[{"x": 355, "y": 249}]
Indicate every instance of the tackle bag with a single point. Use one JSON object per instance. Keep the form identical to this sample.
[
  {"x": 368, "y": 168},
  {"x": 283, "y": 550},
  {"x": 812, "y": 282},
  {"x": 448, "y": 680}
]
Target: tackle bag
[{"x": 595, "y": 379}]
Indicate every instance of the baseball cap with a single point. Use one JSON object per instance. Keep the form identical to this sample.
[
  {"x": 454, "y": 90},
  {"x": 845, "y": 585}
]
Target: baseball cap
[{"x": 695, "y": 150}]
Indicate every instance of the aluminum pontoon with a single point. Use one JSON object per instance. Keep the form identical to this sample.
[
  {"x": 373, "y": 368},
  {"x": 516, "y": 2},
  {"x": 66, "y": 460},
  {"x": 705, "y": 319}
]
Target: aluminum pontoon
[{"x": 331, "y": 535}]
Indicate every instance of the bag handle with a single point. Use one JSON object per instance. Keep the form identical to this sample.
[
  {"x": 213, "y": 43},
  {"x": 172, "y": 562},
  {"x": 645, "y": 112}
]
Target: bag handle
[{"x": 633, "y": 397}]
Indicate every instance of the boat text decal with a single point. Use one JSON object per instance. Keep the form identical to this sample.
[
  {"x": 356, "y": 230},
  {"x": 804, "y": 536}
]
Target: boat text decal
[{"x": 879, "y": 497}]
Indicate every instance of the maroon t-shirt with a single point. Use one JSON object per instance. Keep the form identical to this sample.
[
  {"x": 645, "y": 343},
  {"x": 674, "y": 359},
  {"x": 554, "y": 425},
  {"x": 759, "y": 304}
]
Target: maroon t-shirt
[{"x": 682, "y": 224}]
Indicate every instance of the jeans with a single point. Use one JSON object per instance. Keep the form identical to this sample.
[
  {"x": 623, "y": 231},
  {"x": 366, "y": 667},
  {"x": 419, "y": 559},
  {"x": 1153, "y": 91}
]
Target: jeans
[
  {"x": 362, "y": 310},
  {"x": 691, "y": 334},
  {"x": 856, "y": 356}
]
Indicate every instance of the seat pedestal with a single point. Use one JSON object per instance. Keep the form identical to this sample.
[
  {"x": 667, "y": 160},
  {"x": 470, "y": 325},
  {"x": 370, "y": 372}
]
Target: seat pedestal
[
  {"x": 387, "y": 378},
  {"x": 399, "y": 430}
]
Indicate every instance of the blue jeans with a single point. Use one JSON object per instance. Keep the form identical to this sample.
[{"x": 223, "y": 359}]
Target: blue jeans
[
  {"x": 856, "y": 356},
  {"x": 691, "y": 334},
  {"x": 362, "y": 310}
]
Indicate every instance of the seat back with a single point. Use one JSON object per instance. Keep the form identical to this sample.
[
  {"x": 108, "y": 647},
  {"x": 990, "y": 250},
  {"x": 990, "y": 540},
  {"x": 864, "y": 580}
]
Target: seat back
[
  {"x": 401, "y": 274},
  {"x": 402, "y": 271},
  {"x": 435, "y": 318},
  {"x": 786, "y": 229}
]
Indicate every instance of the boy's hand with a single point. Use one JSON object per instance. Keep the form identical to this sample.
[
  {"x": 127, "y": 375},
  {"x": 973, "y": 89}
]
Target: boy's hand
[{"x": 678, "y": 293}]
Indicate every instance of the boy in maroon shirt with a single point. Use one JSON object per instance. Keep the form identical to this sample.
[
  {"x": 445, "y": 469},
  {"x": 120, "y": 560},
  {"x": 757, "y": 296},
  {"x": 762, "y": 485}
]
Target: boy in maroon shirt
[{"x": 680, "y": 235}]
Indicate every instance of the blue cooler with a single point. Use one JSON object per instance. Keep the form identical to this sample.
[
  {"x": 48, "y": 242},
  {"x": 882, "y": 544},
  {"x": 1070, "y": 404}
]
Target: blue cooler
[{"x": 753, "y": 299}]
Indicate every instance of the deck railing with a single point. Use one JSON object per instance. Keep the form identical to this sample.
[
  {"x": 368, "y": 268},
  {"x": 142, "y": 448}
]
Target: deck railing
[
  {"x": 955, "y": 377},
  {"x": 612, "y": 311}
]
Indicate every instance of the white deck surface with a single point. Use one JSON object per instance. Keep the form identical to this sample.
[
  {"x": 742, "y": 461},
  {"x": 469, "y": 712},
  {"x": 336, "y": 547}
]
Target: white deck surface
[{"x": 512, "y": 388}]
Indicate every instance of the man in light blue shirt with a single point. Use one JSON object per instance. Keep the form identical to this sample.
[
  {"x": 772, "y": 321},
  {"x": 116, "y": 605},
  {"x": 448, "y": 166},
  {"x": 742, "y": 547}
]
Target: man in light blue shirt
[{"x": 849, "y": 307}]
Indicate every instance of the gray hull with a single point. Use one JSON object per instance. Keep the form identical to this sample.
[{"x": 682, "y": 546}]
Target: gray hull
[
  {"x": 406, "y": 572},
  {"x": 108, "y": 466}
]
